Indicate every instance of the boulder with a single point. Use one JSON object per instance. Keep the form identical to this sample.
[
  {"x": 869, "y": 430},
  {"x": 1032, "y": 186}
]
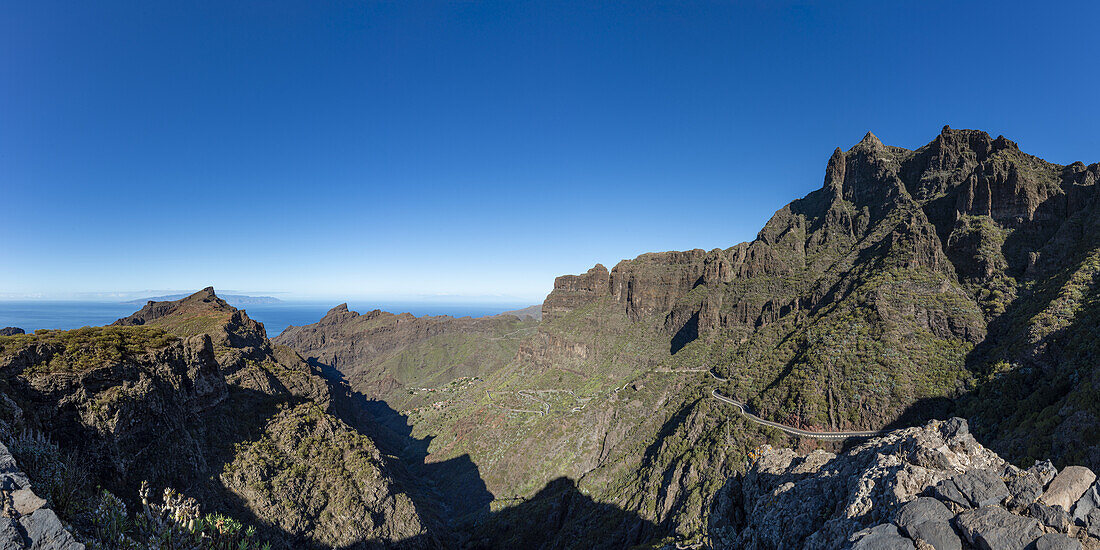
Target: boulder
[
  {"x": 1068, "y": 486},
  {"x": 937, "y": 534},
  {"x": 1024, "y": 489},
  {"x": 1087, "y": 503},
  {"x": 1057, "y": 541},
  {"x": 927, "y": 519},
  {"x": 981, "y": 487},
  {"x": 955, "y": 427},
  {"x": 1092, "y": 523},
  {"x": 46, "y": 532},
  {"x": 882, "y": 537},
  {"x": 1052, "y": 516},
  {"x": 25, "y": 501},
  {"x": 994, "y": 528},
  {"x": 1043, "y": 471},
  {"x": 921, "y": 510},
  {"x": 10, "y": 537},
  {"x": 947, "y": 491}
]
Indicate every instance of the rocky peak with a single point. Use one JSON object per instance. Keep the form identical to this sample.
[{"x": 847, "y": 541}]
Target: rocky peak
[
  {"x": 337, "y": 315},
  {"x": 201, "y": 302},
  {"x": 870, "y": 141},
  {"x": 870, "y": 177}
]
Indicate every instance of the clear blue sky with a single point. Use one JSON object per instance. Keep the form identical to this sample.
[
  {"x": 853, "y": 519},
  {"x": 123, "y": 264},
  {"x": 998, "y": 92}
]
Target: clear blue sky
[{"x": 345, "y": 149}]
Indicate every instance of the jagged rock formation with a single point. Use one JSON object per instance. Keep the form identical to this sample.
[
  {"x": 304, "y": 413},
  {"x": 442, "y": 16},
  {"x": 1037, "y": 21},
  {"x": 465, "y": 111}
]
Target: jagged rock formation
[
  {"x": 911, "y": 276},
  {"x": 932, "y": 486},
  {"x": 25, "y": 521},
  {"x": 192, "y": 394},
  {"x": 11, "y": 331}
]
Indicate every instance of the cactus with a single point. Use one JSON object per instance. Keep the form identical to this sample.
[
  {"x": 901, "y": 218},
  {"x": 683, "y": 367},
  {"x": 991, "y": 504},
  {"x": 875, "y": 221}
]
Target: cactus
[{"x": 174, "y": 523}]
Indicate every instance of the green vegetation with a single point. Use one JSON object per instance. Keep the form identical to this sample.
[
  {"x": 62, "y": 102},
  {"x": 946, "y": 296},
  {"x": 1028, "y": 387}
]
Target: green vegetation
[
  {"x": 175, "y": 523},
  {"x": 186, "y": 323},
  {"x": 59, "y": 477},
  {"x": 310, "y": 469},
  {"x": 100, "y": 519},
  {"x": 85, "y": 348}
]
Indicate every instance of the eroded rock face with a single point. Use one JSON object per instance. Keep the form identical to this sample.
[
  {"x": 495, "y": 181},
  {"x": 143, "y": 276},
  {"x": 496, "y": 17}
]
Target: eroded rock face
[
  {"x": 572, "y": 291},
  {"x": 11, "y": 331},
  {"x": 932, "y": 486}
]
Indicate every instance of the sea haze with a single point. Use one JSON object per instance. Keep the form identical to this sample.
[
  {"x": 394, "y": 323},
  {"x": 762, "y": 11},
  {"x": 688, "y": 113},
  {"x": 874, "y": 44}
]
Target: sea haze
[{"x": 33, "y": 315}]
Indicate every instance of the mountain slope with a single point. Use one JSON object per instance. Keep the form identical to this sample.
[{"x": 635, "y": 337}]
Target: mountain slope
[
  {"x": 184, "y": 394},
  {"x": 913, "y": 283}
]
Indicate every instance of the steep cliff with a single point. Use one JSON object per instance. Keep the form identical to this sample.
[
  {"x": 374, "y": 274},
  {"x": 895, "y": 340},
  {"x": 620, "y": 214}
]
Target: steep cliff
[{"x": 910, "y": 276}]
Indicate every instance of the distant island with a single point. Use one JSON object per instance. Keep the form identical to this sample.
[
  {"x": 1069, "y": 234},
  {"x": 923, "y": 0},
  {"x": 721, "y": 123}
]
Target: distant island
[{"x": 234, "y": 299}]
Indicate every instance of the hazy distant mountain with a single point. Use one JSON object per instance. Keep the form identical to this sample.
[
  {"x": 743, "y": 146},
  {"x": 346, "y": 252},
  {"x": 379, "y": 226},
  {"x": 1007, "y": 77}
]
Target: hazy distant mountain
[
  {"x": 235, "y": 300},
  {"x": 534, "y": 312}
]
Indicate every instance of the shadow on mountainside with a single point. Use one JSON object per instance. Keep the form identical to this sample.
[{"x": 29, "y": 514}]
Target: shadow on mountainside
[
  {"x": 167, "y": 448},
  {"x": 686, "y": 335},
  {"x": 451, "y": 490},
  {"x": 558, "y": 517}
]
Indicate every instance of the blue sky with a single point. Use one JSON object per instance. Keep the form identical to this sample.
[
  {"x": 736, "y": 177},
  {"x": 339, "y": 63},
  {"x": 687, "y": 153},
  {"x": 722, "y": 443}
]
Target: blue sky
[{"x": 417, "y": 149}]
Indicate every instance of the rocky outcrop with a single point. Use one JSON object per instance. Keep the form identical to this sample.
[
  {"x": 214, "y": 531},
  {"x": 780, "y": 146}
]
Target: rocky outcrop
[
  {"x": 328, "y": 471},
  {"x": 11, "y": 331},
  {"x": 119, "y": 412},
  {"x": 932, "y": 486},
  {"x": 573, "y": 291},
  {"x": 25, "y": 521}
]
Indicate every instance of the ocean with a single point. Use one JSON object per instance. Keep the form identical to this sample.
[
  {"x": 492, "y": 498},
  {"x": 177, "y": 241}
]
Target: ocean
[{"x": 33, "y": 315}]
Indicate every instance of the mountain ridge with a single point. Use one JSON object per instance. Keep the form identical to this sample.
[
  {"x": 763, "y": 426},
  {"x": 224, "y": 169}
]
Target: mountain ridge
[{"x": 873, "y": 302}]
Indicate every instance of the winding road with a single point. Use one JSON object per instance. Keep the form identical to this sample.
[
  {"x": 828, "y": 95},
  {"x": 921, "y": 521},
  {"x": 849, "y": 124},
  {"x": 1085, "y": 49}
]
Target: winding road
[
  {"x": 787, "y": 429},
  {"x": 743, "y": 408}
]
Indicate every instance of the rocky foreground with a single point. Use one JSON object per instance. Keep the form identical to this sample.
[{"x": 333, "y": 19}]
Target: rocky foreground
[
  {"x": 25, "y": 521},
  {"x": 927, "y": 487}
]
